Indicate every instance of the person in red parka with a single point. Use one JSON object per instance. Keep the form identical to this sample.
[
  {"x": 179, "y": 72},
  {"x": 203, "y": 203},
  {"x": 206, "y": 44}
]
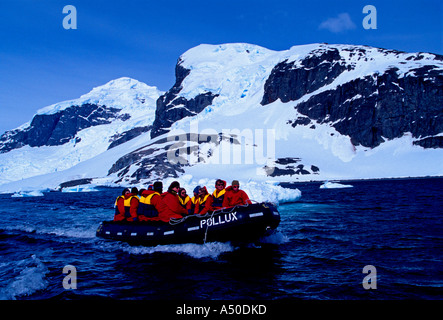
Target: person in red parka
[
  {"x": 203, "y": 204},
  {"x": 169, "y": 206},
  {"x": 149, "y": 202},
  {"x": 185, "y": 200},
  {"x": 219, "y": 193},
  {"x": 234, "y": 196},
  {"x": 126, "y": 206}
]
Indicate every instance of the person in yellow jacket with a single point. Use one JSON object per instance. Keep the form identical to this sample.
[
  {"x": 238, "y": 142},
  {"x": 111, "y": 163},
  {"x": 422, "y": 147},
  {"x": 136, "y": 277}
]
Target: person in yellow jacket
[
  {"x": 185, "y": 200},
  {"x": 126, "y": 206},
  {"x": 149, "y": 202},
  {"x": 204, "y": 202},
  {"x": 194, "y": 198},
  {"x": 219, "y": 194}
]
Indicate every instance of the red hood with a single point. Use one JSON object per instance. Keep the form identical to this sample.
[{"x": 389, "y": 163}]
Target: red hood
[{"x": 230, "y": 189}]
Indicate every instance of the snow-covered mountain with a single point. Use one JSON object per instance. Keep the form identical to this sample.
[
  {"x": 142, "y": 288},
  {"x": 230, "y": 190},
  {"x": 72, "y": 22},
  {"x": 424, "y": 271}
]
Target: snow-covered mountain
[
  {"x": 312, "y": 112},
  {"x": 65, "y": 134}
]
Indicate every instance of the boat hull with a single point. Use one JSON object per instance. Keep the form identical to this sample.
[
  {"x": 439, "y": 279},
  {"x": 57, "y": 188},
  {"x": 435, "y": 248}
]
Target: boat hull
[{"x": 241, "y": 223}]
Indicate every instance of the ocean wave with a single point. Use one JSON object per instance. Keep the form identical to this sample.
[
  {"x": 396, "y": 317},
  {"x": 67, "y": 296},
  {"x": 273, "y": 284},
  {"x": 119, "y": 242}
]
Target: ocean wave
[
  {"x": 60, "y": 232},
  {"x": 276, "y": 237},
  {"x": 29, "y": 279},
  {"x": 208, "y": 250}
]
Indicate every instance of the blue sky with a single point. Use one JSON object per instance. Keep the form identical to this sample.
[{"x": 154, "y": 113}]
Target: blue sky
[{"x": 41, "y": 63}]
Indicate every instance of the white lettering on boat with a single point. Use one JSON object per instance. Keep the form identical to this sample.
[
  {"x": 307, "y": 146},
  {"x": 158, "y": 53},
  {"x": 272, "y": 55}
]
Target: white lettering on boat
[{"x": 220, "y": 219}]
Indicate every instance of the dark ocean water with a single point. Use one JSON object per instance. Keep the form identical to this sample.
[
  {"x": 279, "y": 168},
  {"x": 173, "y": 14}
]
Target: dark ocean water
[{"x": 322, "y": 245}]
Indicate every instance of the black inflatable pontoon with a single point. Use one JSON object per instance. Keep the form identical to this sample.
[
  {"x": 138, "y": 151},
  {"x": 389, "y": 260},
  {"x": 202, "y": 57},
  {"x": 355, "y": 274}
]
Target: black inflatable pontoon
[{"x": 241, "y": 223}]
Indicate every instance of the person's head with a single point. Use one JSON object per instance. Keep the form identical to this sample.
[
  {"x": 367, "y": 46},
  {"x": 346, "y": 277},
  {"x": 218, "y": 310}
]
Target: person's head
[
  {"x": 174, "y": 186},
  {"x": 134, "y": 190},
  {"x": 202, "y": 191},
  {"x": 158, "y": 186},
  {"x": 125, "y": 192},
  {"x": 220, "y": 184},
  {"x": 235, "y": 185},
  {"x": 196, "y": 189},
  {"x": 182, "y": 192}
]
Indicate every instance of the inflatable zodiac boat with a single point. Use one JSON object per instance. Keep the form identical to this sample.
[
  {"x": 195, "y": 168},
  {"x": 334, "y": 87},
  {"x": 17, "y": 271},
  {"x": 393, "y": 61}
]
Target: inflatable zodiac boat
[{"x": 245, "y": 223}]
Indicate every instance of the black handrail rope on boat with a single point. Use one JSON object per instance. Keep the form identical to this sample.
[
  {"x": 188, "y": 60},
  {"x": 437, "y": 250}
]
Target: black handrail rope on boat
[
  {"x": 174, "y": 221},
  {"x": 207, "y": 226},
  {"x": 222, "y": 211}
]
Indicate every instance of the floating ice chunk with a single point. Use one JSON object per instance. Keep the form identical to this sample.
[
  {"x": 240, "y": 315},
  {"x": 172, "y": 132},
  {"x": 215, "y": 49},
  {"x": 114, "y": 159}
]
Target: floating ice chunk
[
  {"x": 258, "y": 191},
  {"x": 23, "y": 194},
  {"x": 80, "y": 188},
  {"x": 334, "y": 185}
]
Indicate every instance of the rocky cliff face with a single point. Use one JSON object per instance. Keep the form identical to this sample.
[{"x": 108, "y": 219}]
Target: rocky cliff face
[
  {"x": 70, "y": 132},
  {"x": 59, "y": 128},
  {"x": 172, "y": 107},
  {"x": 117, "y": 101},
  {"x": 290, "y": 81},
  {"x": 371, "y": 108}
]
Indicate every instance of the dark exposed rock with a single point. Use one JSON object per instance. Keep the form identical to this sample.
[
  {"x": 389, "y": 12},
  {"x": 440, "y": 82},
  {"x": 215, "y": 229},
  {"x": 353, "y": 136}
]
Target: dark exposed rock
[
  {"x": 287, "y": 160},
  {"x": 315, "y": 169},
  {"x": 286, "y": 167},
  {"x": 128, "y": 135},
  {"x": 430, "y": 142},
  {"x": 74, "y": 183},
  {"x": 153, "y": 161},
  {"x": 382, "y": 106},
  {"x": 148, "y": 167},
  {"x": 165, "y": 157},
  {"x": 171, "y": 107},
  {"x": 289, "y": 82},
  {"x": 300, "y": 121},
  {"x": 368, "y": 109},
  {"x": 58, "y": 128}
]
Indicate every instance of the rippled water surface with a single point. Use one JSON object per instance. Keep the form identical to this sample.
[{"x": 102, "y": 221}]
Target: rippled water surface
[{"x": 322, "y": 245}]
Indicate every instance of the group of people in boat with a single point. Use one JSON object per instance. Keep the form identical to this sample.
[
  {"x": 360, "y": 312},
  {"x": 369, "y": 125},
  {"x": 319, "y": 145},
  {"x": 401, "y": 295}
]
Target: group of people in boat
[{"x": 155, "y": 205}]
